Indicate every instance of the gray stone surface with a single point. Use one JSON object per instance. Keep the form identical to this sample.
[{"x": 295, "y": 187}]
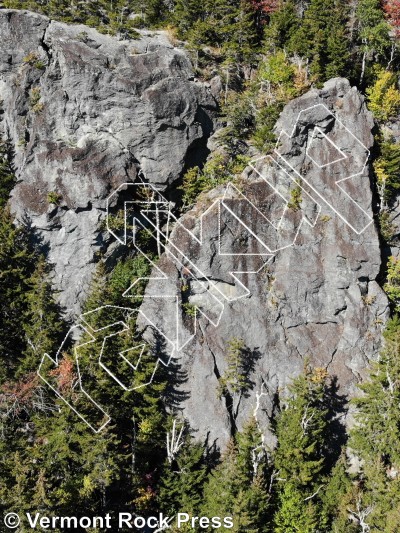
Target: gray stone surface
[
  {"x": 316, "y": 299},
  {"x": 108, "y": 111}
]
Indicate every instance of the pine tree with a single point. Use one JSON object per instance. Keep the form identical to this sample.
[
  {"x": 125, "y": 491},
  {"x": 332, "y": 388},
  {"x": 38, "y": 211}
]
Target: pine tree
[
  {"x": 294, "y": 513},
  {"x": 386, "y": 166},
  {"x": 187, "y": 13},
  {"x": 373, "y": 33},
  {"x": 7, "y": 177},
  {"x": 17, "y": 261},
  {"x": 337, "y": 495},
  {"x": 338, "y": 49},
  {"x": 302, "y": 454},
  {"x": 235, "y": 379},
  {"x": 392, "y": 285},
  {"x": 238, "y": 487},
  {"x": 283, "y": 24},
  {"x": 375, "y": 436},
  {"x": 240, "y": 46},
  {"x": 183, "y": 479},
  {"x": 321, "y": 37},
  {"x": 42, "y": 325}
]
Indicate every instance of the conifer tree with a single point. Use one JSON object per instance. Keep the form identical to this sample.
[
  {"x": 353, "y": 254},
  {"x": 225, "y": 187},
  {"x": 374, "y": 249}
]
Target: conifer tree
[
  {"x": 392, "y": 285},
  {"x": 238, "y": 487},
  {"x": 240, "y": 47},
  {"x": 337, "y": 496},
  {"x": 301, "y": 457},
  {"x": 283, "y": 24},
  {"x": 373, "y": 33},
  {"x": 321, "y": 37},
  {"x": 42, "y": 325},
  {"x": 16, "y": 266},
  {"x": 7, "y": 177},
  {"x": 375, "y": 438},
  {"x": 183, "y": 479},
  {"x": 187, "y": 13}
]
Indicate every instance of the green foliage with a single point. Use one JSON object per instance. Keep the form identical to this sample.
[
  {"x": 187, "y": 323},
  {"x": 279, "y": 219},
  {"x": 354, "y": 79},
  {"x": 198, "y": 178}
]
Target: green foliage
[
  {"x": 278, "y": 72},
  {"x": 235, "y": 380},
  {"x": 302, "y": 455},
  {"x": 280, "y": 81},
  {"x": 321, "y": 38},
  {"x": 383, "y": 96},
  {"x": 295, "y": 198},
  {"x": 387, "y": 172},
  {"x": 239, "y": 113},
  {"x": 229, "y": 27},
  {"x": 294, "y": 514},
  {"x": 373, "y": 30},
  {"x": 34, "y": 60},
  {"x": 152, "y": 12},
  {"x": 183, "y": 479},
  {"x": 43, "y": 328},
  {"x": 386, "y": 226},
  {"x": 335, "y": 496},
  {"x": 240, "y": 38},
  {"x": 54, "y": 197},
  {"x": 35, "y": 96},
  {"x": 126, "y": 272},
  {"x": 107, "y": 17},
  {"x": 264, "y": 137},
  {"x": 49, "y": 461},
  {"x": 218, "y": 170},
  {"x": 375, "y": 436},
  {"x": 17, "y": 260},
  {"x": 392, "y": 285},
  {"x": 7, "y": 177},
  {"x": 189, "y": 309},
  {"x": 300, "y": 430},
  {"x": 238, "y": 487},
  {"x": 284, "y": 22}
]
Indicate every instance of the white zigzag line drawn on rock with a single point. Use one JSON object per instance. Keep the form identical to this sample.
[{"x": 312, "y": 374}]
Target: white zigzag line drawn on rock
[
  {"x": 158, "y": 205},
  {"x": 302, "y": 179}
]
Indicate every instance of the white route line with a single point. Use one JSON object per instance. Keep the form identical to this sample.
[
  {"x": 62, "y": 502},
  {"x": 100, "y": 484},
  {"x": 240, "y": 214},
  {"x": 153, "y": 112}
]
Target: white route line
[
  {"x": 155, "y": 205},
  {"x": 302, "y": 178}
]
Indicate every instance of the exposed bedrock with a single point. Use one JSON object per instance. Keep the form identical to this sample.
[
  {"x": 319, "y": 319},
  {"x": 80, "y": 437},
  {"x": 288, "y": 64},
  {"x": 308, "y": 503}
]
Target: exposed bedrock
[
  {"x": 317, "y": 297},
  {"x": 85, "y": 113}
]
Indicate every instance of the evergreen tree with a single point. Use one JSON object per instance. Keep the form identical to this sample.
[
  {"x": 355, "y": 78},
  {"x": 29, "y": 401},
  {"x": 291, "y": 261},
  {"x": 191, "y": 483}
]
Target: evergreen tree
[
  {"x": 386, "y": 168},
  {"x": 337, "y": 496},
  {"x": 240, "y": 46},
  {"x": 43, "y": 328},
  {"x": 392, "y": 285},
  {"x": 183, "y": 479},
  {"x": 302, "y": 454},
  {"x": 238, "y": 487},
  {"x": 283, "y": 24},
  {"x": 373, "y": 33},
  {"x": 17, "y": 261},
  {"x": 187, "y": 13},
  {"x": 7, "y": 177},
  {"x": 321, "y": 37},
  {"x": 375, "y": 438}
]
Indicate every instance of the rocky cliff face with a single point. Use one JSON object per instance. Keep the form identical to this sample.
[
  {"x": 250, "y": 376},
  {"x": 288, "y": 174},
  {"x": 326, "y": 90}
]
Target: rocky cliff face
[
  {"x": 298, "y": 232},
  {"x": 286, "y": 259},
  {"x": 86, "y": 113}
]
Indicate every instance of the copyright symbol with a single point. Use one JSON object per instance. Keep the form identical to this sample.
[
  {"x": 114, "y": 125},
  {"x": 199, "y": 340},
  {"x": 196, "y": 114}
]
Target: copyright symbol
[{"x": 12, "y": 520}]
